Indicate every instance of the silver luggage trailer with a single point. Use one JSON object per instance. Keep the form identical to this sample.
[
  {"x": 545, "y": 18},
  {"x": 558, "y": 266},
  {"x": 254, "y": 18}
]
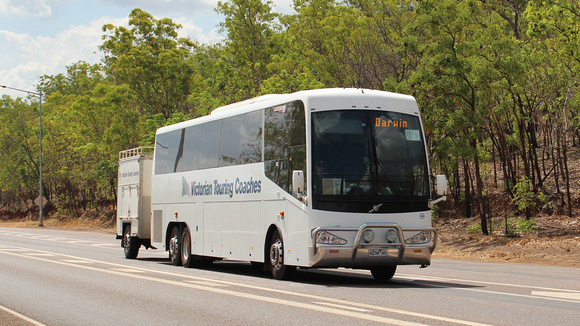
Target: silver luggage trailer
[{"x": 134, "y": 199}]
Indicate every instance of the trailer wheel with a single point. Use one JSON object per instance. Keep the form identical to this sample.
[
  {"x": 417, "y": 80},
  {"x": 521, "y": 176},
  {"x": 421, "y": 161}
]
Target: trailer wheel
[
  {"x": 175, "y": 247},
  {"x": 277, "y": 267},
  {"x": 383, "y": 273},
  {"x": 130, "y": 244},
  {"x": 186, "y": 257}
]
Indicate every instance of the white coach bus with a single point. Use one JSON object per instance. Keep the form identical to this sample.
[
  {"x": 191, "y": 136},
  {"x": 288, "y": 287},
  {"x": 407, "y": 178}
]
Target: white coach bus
[{"x": 317, "y": 178}]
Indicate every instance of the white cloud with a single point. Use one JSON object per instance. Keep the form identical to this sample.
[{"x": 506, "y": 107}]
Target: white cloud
[
  {"x": 191, "y": 30},
  {"x": 163, "y": 8},
  {"x": 25, "y": 8},
  {"x": 26, "y": 58}
]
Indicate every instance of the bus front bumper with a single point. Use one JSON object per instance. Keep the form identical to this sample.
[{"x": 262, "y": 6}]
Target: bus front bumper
[{"x": 415, "y": 249}]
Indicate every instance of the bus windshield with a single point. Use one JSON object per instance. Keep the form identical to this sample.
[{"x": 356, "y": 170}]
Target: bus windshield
[{"x": 368, "y": 161}]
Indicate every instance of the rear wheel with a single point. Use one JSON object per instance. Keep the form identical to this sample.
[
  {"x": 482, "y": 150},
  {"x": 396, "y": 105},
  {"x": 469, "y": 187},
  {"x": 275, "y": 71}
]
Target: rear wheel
[
  {"x": 130, "y": 244},
  {"x": 277, "y": 267},
  {"x": 186, "y": 257},
  {"x": 175, "y": 247},
  {"x": 383, "y": 273}
]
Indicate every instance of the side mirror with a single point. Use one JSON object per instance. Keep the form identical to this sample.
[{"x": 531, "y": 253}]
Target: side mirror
[
  {"x": 297, "y": 181},
  {"x": 441, "y": 184}
]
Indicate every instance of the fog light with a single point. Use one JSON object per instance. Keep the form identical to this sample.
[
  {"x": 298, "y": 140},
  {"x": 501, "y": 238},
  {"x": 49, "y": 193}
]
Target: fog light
[
  {"x": 392, "y": 235},
  {"x": 368, "y": 235}
]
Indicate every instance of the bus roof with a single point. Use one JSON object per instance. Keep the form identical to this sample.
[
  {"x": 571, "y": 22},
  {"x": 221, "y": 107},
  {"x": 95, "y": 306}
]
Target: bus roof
[{"x": 316, "y": 98}]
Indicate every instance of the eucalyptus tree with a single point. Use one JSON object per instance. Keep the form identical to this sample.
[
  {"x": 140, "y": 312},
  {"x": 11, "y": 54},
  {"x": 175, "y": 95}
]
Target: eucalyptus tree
[
  {"x": 18, "y": 150},
  {"x": 250, "y": 26},
  {"x": 153, "y": 60},
  {"x": 451, "y": 81},
  {"x": 554, "y": 24}
]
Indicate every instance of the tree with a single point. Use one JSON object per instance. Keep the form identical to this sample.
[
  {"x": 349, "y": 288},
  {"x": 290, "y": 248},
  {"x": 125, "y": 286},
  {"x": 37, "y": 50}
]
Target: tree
[
  {"x": 152, "y": 60},
  {"x": 19, "y": 149},
  {"x": 250, "y": 26}
]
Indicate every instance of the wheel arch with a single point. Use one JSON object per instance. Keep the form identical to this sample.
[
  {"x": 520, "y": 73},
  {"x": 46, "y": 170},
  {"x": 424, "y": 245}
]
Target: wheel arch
[
  {"x": 273, "y": 228},
  {"x": 170, "y": 226}
]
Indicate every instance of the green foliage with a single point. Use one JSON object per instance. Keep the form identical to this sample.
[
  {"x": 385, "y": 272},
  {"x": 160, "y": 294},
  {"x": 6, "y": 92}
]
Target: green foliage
[
  {"x": 526, "y": 226},
  {"x": 474, "y": 228},
  {"x": 524, "y": 197},
  {"x": 152, "y": 61},
  {"x": 509, "y": 226},
  {"x": 520, "y": 225},
  {"x": 489, "y": 78}
]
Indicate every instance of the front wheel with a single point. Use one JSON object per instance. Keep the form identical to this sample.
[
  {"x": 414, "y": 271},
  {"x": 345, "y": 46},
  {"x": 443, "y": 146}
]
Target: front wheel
[
  {"x": 130, "y": 244},
  {"x": 175, "y": 247},
  {"x": 277, "y": 267},
  {"x": 383, "y": 273}
]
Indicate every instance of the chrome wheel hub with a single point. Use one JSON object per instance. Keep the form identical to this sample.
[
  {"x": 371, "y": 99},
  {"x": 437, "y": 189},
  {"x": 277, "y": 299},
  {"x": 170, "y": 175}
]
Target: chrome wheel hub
[
  {"x": 276, "y": 254},
  {"x": 173, "y": 245}
]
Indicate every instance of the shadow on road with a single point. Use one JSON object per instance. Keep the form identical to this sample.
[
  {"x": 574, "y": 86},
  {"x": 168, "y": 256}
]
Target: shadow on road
[{"x": 324, "y": 277}]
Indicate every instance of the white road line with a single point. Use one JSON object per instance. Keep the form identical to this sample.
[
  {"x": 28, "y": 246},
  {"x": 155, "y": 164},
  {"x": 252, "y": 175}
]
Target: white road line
[
  {"x": 341, "y": 306},
  {"x": 207, "y": 283},
  {"x": 445, "y": 279},
  {"x": 62, "y": 240},
  {"x": 77, "y": 261},
  {"x": 517, "y": 295},
  {"x": 21, "y": 316},
  {"x": 562, "y": 295},
  {"x": 127, "y": 270},
  {"x": 301, "y": 305},
  {"x": 13, "y": 249},
  {"x": 39, "y": 254},
  {"x": 105, "y": 245}
]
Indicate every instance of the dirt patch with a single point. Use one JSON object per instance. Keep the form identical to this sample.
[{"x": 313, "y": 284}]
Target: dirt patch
[
  {"x": 88, "y": 222},
  {"x": 556, "y": 241}
]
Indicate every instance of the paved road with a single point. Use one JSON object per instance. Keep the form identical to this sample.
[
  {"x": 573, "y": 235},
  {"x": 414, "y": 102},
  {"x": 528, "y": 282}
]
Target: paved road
[{"x": 55, "y": 277}]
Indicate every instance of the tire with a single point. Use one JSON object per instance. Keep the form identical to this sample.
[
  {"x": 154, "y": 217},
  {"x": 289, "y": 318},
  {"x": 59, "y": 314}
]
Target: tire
[
  {"x": 186, "y": 257},
  {"x": 175, "y": 246},
  {"x": 383, "y": 273},
  {"x": 276, "y": 258},
  {"x": 130, "y": 244}
]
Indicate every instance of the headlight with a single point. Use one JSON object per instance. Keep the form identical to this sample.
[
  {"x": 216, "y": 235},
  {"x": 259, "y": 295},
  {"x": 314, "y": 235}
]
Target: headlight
[
  {"x": 329, "y": 238},
  {"x": 421, "y": 237},
  {"x": 368, "y": 235},
  {"x": 392, "y": 235}
]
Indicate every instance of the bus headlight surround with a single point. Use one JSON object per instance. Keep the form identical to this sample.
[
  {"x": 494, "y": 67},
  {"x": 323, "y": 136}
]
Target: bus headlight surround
[
  {"x": 419, "y": 238},
  {"x": 324, "y": 237},
  {"x": 368, "y": 235},
  {"x": 392, "y": 235}
]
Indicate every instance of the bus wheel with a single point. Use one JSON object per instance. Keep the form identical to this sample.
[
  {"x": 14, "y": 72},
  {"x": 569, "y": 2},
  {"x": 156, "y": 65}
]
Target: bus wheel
[
  {"x": 130, "y": 244},
  {"x": 383, "y": 273},
  {"x": 175, "y": 247},
  {"x": 279, "y": 270},
  {"x": 186, "y": 257}
]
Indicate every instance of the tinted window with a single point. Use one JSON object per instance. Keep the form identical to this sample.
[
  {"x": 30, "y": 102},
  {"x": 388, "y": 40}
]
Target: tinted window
[
  {"x": 191, "y": 146},
  {"x": 251, "y": 146},
  {"x": 231, "y": 141},
  {"x": 232, "y": 138},
  {"x": 166, "y": 150},
  {"x": 210, "y": 144},
  {"x": 285, "y": 142},
  {"x": 365, "y": 158}
]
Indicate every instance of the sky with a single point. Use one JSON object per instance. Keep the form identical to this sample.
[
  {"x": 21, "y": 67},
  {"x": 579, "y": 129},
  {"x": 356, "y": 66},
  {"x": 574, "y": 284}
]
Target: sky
[{"x": 43, "y": 37}]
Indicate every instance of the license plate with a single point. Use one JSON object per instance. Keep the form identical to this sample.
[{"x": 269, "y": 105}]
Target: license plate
[{"x": 377, "y": 252}]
